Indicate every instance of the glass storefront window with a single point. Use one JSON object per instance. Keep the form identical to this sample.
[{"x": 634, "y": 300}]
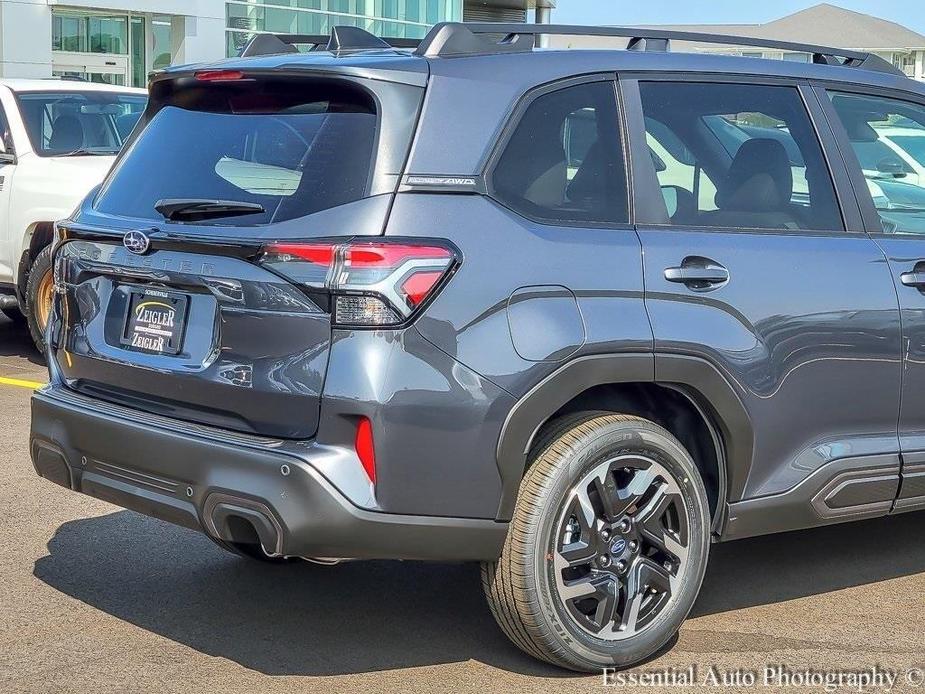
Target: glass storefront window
[
  {"x": 69, "y": 33},
  {"x": 108, "y": 35},
  {"x": 393, "y": 18},
  {"x": 139, "y": 78},
  {"x": 89, "y": 33},
  {"x": 161, "y": 29}
]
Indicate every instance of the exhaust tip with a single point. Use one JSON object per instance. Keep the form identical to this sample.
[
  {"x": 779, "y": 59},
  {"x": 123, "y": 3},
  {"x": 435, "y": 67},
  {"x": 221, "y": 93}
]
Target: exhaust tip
[{"x": 243, "y": 521}]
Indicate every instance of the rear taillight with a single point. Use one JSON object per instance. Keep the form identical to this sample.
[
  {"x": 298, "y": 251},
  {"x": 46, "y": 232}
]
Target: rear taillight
[{"x": 371, "y": 283}]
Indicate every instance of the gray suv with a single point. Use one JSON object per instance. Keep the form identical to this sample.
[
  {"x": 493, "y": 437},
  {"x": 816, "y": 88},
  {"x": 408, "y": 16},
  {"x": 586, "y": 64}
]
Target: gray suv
[{"x": 575, "y": 315}]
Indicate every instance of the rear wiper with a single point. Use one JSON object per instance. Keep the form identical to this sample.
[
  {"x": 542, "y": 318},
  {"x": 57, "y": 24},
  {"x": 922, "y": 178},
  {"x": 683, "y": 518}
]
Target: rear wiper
[{"x": 194, "y": 210}]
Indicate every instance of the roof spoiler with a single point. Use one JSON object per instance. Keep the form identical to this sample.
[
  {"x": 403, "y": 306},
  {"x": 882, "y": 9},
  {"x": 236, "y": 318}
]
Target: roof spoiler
[{"x": 341, "y": 39}]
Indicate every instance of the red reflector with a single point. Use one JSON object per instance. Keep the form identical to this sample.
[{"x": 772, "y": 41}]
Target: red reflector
[
  {"x": 318, "y": 253},
  {"x": 391, "y": 254},
  {"x": 365, "y": 449},
  {"x": 418, "y": 286},
  {"x": 219, "y": 75}
]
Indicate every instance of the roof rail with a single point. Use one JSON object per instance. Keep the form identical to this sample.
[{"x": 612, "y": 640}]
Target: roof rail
[
  {"x": 342, "y": 38},
  {"x": 453, "y": 39}
]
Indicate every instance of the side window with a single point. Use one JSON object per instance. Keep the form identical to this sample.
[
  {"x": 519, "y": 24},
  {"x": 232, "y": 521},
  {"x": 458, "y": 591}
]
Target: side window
[
  {"x": 564, "y": 161},
  {"x": 888, "y": 137},
  {"x": 738, "y": 156}
]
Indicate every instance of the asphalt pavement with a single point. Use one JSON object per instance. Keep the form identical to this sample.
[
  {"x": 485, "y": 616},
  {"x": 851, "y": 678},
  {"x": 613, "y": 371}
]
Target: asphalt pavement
[{"x": 95, "y": 599}]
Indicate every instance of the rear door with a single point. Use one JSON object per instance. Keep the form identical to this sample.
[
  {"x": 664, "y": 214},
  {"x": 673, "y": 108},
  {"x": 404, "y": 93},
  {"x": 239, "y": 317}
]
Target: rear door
[
  {"x": 753, "y": 267},
  {"x": 893, "y": 202}
]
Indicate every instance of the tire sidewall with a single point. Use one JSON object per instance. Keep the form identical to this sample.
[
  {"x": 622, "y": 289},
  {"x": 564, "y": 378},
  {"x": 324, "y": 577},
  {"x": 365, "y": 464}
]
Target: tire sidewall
[
  {"x": 610, "y": 441},
  {"x": 40, "y": 266}
]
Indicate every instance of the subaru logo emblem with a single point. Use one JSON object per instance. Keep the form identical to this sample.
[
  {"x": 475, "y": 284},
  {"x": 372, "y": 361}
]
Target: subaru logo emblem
[
  {"x": 618, "y": 546},
  {"x": 136, "y": 242}
]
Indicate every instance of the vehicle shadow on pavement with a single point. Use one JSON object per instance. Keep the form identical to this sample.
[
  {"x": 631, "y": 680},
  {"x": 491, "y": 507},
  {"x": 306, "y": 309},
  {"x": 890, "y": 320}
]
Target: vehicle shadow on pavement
[
  {"x": 305, "y": 619},
  {"x": 775, "y": 568},
  {"x": 15, "y": 341},
  {"x": 291, "y": 619}
]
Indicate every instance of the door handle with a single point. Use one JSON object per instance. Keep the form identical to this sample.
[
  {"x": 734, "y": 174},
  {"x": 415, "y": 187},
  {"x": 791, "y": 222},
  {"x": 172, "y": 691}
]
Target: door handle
[
  {"x": 698, "y": 273},
  {"x": 916, "y": 278}
]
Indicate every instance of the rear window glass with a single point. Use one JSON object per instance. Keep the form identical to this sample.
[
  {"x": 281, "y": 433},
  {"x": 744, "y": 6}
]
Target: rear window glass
[{"x": 293, "y": 148}]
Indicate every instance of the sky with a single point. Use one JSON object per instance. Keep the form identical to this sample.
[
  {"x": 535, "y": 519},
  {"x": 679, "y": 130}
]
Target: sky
[{"x": 910, "y": 13}]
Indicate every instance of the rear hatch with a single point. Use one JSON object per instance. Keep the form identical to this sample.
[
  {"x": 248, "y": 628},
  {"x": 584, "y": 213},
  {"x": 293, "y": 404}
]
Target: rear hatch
[{"x": 171, "y": 297}]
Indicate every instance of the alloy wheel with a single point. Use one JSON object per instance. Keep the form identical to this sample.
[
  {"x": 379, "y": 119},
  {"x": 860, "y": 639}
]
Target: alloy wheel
[
  {"x": 621, "y": 547},
  {"x": 43, "y": 300}
]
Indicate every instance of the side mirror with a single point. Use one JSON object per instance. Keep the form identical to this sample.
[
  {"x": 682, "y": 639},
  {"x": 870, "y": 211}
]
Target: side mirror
[{"x": 891, "y": 167}]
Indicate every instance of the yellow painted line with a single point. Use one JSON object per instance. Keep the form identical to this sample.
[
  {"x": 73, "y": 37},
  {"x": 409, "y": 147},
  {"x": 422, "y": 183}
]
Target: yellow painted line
[{"x": 31, "y": 385}]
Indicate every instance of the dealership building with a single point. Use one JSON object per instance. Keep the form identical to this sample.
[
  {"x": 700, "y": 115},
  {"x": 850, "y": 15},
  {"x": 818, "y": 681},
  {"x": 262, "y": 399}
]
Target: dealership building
[{"x": 120, "y": 41}]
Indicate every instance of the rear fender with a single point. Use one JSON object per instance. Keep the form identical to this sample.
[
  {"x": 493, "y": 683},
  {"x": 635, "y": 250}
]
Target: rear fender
[{"x": 698, "y": 380}]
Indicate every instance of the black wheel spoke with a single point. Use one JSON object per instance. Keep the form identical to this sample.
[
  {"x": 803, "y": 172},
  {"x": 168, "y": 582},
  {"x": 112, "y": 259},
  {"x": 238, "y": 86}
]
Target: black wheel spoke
[
  {"x": 596, "y": 586},
  {"x": 617, "y": 501},
  {"x": 607, "y": 605},
  {"x": 578, "y": 545},
  {"x": 635, "y": 594},
  {"x": 646, "y": 580},
  {"x": 609, "y": 494},
  {"x": 578, "y": 553},
  {"x": 651, "y": 575},
  {"x": 651, "y": 522}
]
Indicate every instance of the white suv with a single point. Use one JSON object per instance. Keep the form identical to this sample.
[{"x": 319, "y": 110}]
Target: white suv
[{"x": 58, "y": 139}]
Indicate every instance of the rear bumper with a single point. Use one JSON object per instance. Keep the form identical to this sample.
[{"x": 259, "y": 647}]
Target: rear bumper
[{"x": 210, "y": 480}]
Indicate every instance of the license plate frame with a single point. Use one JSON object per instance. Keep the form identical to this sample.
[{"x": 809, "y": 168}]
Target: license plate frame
[{"x": 154, "y": 321}]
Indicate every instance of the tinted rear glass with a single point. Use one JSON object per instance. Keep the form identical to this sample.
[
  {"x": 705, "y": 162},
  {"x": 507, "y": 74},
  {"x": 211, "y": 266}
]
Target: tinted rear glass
[
  {"x": 564, "y": 162},
  {"x": 293, "y": 147}
]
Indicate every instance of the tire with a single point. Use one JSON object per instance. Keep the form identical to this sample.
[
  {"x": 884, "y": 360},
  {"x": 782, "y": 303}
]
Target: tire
[
  {"x": 39, "y": 273},
  {"x": 656, "y": 543},
  {"x": 15, "y": 315}
]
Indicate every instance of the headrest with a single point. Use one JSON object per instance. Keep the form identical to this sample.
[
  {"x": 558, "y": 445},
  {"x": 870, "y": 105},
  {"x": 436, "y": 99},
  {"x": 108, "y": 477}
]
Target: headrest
[
  {"x": 67, "y": 133},
  {"x": 536, "y": 174},
  {"x": 590, "y": 181},
  {"x": 759, "y": 179}
]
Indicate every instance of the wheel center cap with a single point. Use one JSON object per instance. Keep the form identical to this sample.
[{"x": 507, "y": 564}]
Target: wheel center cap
[{"x": 618, "y": 546}]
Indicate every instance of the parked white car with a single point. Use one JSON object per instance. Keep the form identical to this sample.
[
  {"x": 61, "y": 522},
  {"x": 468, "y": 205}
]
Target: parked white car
[{"x": 58, "y": 139}]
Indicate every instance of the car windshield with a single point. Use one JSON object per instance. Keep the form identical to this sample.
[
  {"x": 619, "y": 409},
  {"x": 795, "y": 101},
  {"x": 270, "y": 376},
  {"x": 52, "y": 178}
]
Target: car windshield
[{"x": 79, "y": 123}]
